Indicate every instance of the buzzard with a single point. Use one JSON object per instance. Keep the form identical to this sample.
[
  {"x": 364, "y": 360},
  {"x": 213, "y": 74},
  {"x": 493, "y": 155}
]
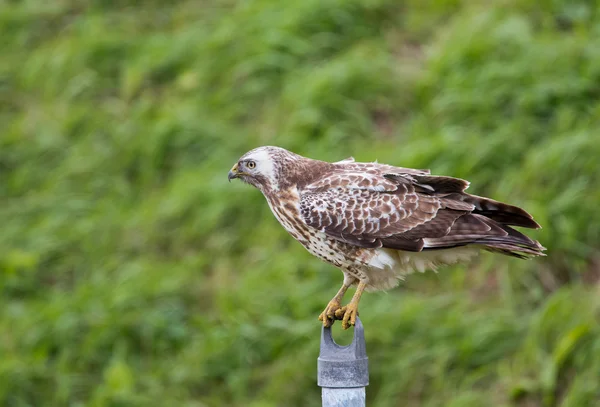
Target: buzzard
[{"x": 378, "y": 223}]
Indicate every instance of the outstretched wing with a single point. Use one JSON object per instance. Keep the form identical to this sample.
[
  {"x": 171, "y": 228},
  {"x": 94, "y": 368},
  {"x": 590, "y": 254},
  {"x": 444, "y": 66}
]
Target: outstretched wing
[{"x": 407, "y": 211}]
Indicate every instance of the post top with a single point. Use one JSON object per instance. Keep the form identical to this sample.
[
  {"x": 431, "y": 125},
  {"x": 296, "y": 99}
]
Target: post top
[{"x": 343, "y": 366}]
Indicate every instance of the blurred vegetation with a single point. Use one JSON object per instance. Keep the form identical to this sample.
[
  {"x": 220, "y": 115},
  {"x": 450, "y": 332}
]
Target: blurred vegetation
[{"x": 133, "y": 274}]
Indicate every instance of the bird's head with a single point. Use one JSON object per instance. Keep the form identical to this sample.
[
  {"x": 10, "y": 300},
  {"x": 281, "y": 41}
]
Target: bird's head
[{"x": 262, "y": 167}]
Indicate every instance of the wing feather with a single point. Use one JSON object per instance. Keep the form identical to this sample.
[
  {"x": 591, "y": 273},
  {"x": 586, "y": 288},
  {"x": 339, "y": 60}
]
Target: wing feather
[
  {"x": 372, "y": 211},
  {"x": 374, "y": 205}
]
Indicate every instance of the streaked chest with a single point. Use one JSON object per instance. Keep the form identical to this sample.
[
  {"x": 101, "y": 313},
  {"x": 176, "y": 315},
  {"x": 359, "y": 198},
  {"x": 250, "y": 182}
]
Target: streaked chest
[
  {"x": 286, "y": 208},
  {"x": 285, "y": 205}
]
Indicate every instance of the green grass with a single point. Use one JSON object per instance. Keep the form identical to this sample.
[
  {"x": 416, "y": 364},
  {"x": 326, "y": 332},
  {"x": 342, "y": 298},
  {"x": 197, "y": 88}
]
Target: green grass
[{"x": 133, "y": 274}]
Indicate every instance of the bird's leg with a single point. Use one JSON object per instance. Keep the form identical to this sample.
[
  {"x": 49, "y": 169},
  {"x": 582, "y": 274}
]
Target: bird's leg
[
  {"x": 349, "y": 312},
  {"x": 328, "y": 315}
]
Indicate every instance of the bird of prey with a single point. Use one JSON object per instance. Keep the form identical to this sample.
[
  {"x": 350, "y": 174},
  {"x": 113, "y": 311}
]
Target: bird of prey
[{"x": 378, "y": 223}]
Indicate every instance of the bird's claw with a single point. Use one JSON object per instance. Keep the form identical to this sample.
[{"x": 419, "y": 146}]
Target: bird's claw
[
  {"x": 328, "y": 316},
  {"x": 347, "y": 314},
  {"x": 339, "y": 313}
]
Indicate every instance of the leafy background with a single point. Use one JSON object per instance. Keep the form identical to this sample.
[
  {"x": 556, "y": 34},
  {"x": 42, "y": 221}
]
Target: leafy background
[{"x": 133, "y": 274}]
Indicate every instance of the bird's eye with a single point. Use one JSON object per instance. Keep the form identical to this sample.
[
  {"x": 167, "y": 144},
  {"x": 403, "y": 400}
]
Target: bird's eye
[{"x": 251, "y": 165}]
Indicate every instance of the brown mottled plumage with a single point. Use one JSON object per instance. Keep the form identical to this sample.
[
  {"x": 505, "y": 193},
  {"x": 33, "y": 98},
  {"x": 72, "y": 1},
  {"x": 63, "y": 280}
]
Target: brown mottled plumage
[{"x": 378, "y": 222}]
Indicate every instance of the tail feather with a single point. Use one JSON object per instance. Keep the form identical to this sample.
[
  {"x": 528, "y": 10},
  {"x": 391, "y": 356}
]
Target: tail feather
[
  {"x": 476, "y": 229},
  {"x": 514, "y": 250}
]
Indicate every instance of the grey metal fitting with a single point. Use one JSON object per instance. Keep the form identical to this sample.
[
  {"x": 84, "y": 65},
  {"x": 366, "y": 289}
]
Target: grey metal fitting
[{"x": 343, "y": 366}]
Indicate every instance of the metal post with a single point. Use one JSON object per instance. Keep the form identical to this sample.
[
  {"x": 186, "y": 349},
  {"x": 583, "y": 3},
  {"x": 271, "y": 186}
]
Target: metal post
[{"x": 343, "y": 371}]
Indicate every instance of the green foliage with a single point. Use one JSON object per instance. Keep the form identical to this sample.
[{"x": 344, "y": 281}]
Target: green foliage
[{"x": 133, "y": 274}]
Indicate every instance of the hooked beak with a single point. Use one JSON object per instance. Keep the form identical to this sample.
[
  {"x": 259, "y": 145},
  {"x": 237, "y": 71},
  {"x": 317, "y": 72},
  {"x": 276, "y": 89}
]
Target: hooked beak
[{"x": 233, "y": 173}]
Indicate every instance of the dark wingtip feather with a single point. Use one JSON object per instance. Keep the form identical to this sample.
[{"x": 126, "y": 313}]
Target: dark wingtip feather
[
  {"x": 512, "y": 219},
  {"x": 500, "y": 212}
]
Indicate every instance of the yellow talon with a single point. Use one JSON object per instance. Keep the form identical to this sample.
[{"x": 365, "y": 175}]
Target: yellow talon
[
  {"x": 348, "y": 313},
  {"x": 349, "y": 318},
  {"x": 339, "y": 313},
  {"x": 351, "y": 310},
  {"x": 328, "y": 316}
]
